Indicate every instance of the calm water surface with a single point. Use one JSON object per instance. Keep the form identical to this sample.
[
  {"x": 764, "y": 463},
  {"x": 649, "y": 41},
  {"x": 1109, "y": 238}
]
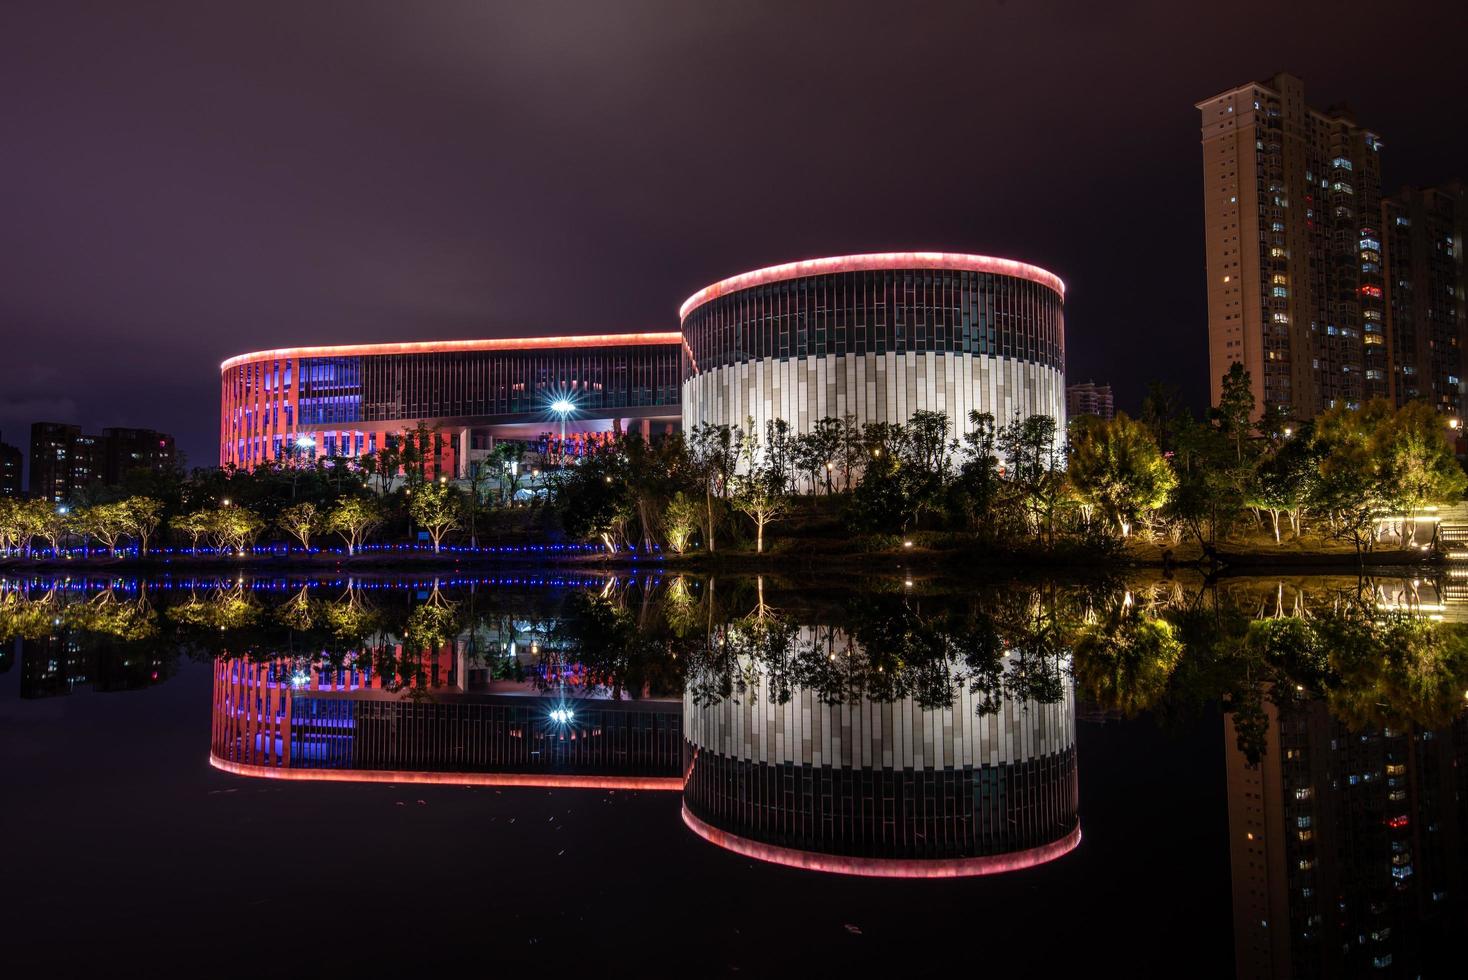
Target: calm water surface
[{"x": 661, "y": 776}]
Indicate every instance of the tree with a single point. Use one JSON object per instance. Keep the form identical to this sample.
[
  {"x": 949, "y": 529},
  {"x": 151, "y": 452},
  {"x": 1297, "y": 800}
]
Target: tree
[
  {"x": 196, "y": 525},
  {"x": 142, "y": 515},
  {"x": 106, "y": 522},
  {"x": 504, "y": 462},
  {"x": 976, "y": 491},
  {"x": 826, "y": 437},
  {"x": 1416, "y": 461},
  {"x": 1032, "y": 457},
  {"x": 593, "y": 499},
  {"x": 852, "y": 453},
  {"x": 1116, "y": 467},
  {"x": 713, "y": 455},
  {"x": 761, "y": 497},
  {"x": 9, "y": 525},
  {"x": 681, "y": 519},
  {"x": 354, "y": 518},
  {"x": 1235, "y": 408},
  {"x": 1287, "y": 480},
  {"x": 51, "y": 523},
  {"x": 237, "y": 527},
  {"x": 437, "y": 507},
  {"x": 926, "y": 463},
  {"x": 1352, "y": 490},
  {"x": 300, "y": 521}
]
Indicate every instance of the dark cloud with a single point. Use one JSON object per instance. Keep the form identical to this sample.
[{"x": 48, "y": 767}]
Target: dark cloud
[{"x": 184, "y": 181}]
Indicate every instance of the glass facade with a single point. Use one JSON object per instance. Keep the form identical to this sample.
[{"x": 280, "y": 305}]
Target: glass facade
[
  {"x": 878, "y": 312},
  {"x": 888, "y": 813},
  {"x": 267, "y": 401}
]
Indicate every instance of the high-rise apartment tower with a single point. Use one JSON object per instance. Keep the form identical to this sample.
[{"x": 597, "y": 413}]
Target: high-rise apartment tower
[{"x": 1292, "y": 212}]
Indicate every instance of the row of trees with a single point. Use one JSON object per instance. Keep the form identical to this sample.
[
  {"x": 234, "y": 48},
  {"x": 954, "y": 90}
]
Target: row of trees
[
  {"x": 1024, "y": 483},
  {"x": 437, "y": 508},
  {"x": 111, "y": 524},
  {"x": 1354, "y": 474}
]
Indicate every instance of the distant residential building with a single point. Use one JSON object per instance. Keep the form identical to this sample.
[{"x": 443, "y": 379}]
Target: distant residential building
[
  {"x": 127, "y": 450},
  {"x": 10, "y": 463},
  {"x": 1292, "y": 212},
  {"x": 1089, "y": 399},
  {"x": 65, "y": 461},
  {"x": 1423, "y": 231}
]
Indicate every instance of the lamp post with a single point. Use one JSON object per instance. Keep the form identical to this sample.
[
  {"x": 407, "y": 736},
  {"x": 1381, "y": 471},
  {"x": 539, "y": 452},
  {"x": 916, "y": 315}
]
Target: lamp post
[
  {"x": 303, "y": 444},
  {"x": 561, "y": 408}
]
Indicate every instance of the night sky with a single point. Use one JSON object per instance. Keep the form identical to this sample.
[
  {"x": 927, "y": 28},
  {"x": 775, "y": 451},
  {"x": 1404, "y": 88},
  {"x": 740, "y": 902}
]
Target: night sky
[{"x": 180, "y": 182}]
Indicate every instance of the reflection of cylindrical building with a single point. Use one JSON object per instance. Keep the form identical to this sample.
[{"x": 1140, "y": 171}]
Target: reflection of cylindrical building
[
  {"x": 877, "y": 337},
  {"x": 885, "y": 789}
]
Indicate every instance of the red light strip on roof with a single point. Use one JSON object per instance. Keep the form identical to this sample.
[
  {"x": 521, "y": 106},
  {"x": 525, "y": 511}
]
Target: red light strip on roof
[
  {"x": 875, "y": 261},
  {"x": 540, "y": 780},
  {"x": 453, "y": 346},
  {"x": 989, "y": 864}
]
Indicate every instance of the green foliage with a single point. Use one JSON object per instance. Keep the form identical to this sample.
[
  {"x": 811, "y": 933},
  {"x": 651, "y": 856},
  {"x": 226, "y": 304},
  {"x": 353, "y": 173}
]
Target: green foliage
[
  {"x": 354, "y": 519},
  {"x": 437, "y": 507},
  {"x": 681, "y": 520},
  {"x": 1116, "y": 468},
  {"x": 301, "y": 521}
]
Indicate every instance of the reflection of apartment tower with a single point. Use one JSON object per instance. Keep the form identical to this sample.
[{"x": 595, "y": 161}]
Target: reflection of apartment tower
[
  {"x": 1088, "y": 399},
  {"x": 1423, "y": 232},
  {"x": 67, "y": 661},
  {"x": 1346, "y": 847},
  {"x": 1292, "y": 203}
]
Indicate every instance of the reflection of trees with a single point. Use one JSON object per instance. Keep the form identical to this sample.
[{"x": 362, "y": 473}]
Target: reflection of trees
[
  {"x": 1169, "y": 648},
  {"x": 1362, "y": 645},
  {"x": 229, "y": 608},
  {"x": 105, "y": 614},
  {"x": 1126, "y": 660},
  {"x": 885, "y": 649},
  {"x": 26, "y": 618}
]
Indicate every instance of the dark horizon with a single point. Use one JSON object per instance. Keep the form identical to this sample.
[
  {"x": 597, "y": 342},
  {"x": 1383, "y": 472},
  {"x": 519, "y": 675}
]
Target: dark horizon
[{"x": 186, "y": 184}]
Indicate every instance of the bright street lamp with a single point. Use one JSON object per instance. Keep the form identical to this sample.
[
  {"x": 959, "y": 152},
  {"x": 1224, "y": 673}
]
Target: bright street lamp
[{"x": 563, "y": 407}]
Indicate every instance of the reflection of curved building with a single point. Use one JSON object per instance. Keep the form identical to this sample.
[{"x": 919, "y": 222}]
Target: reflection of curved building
[
  {"x": 883, "y": 788},
  {"x": 342, "y": 725},
  {"x": 878, "y": 337}
]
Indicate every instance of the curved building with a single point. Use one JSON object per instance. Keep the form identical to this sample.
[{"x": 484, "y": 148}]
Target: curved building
[
  {"x": 881, "y": 788},
  {"x": 877, "y": 337},
  {"x": 346, "y": 400}
]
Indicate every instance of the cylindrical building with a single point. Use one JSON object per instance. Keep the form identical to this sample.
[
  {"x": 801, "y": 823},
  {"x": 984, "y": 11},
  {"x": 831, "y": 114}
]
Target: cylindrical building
[{"x": 877, "y": 337}]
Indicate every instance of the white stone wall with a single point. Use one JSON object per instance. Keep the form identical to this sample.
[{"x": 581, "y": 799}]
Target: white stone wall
[{"x": 874, "y": 388}]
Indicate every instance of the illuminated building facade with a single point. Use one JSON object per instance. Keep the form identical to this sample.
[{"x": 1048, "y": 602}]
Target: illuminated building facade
[
  {"x": 279, "y": 405},
  {"x": 878, "y": 337},
  {"x": 882, "y": 788},
  {"x": 1346, "y": 844},
  {"x": 1292, "y": 213},
  {"x": 1424, "y": 237}
]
